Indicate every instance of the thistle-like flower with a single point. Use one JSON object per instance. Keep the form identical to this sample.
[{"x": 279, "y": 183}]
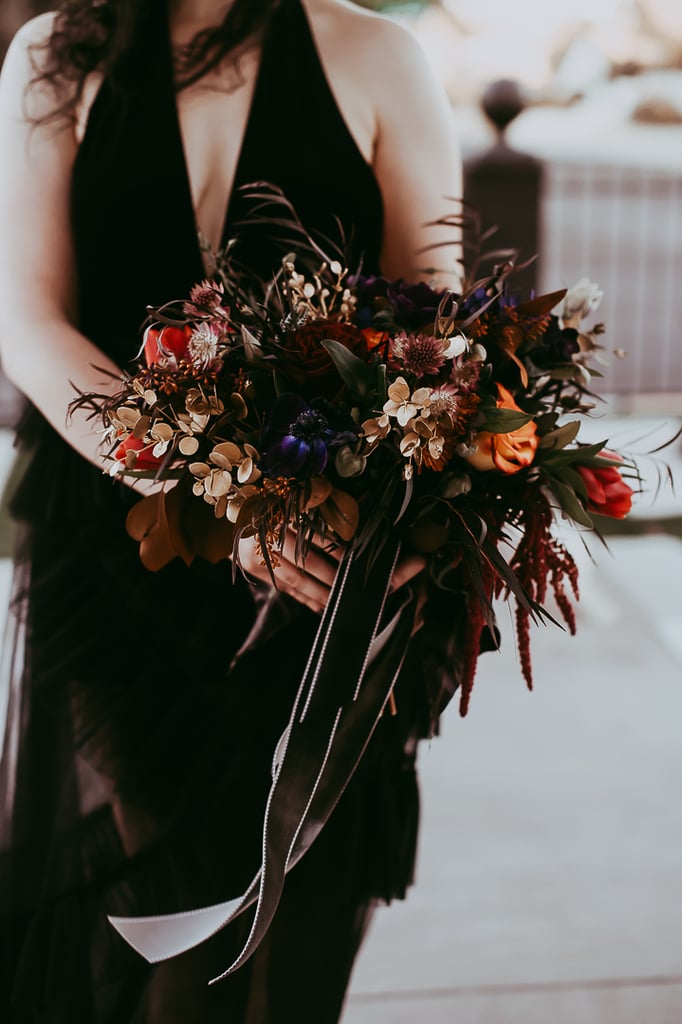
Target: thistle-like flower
[
  {"x": 203, "y": 345},
  {"x": 206, "y": 297},
  {"x": 423, "y": 355}
]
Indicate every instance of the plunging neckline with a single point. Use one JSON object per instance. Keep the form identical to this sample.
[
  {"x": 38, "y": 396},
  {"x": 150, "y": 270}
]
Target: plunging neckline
[{"x": 266, "y": 39}]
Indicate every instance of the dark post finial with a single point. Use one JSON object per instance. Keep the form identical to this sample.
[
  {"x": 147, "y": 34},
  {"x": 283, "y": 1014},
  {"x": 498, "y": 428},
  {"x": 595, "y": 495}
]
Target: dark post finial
[{"x": 501, "y": 103}]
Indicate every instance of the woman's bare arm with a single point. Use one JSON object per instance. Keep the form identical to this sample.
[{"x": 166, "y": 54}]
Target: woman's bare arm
[
  {"x": 42, "y": 351},
  {"x": 417, "y": 163}
]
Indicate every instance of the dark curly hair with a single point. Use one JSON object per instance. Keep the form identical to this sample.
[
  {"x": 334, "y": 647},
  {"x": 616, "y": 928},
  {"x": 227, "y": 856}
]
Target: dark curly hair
[{"x": 103, "y": 36}]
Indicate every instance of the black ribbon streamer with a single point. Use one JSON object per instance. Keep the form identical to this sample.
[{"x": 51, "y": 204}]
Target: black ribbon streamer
[{"x": 356, "y": 657}]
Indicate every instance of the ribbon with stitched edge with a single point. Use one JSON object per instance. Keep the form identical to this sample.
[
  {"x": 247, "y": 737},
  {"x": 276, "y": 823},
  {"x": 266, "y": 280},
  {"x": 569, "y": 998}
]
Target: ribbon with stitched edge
[{"x": 353, "y": 664}]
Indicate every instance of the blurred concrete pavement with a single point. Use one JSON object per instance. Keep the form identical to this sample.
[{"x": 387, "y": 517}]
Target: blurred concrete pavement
[{"x": 549, "y": 886}]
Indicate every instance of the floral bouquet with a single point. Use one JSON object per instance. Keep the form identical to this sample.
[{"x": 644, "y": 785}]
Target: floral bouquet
[
  {"x": 354, "y": 409},
  {"x": 366, "y": 415}
]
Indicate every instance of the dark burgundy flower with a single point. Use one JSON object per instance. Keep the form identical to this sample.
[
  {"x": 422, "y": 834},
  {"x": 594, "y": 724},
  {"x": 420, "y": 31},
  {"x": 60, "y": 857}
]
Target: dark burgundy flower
[
  {"x": 297, "y": 436},
  {"x": 310, "y": 367},
  {"x": 556, "y": 346}
]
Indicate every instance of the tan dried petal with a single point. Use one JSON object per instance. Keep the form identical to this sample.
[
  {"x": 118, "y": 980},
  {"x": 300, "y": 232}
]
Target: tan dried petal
[
  {"x": 127, "y": 417},
  {"x": 200, "y": 469},
  {"x": 226, "y": 455},
  {"x": 199, "y": 422},
  {"x": 162, "y": 431},
  {"x": 189, "y": 446},
  {"x": 436, "y": 446},
  {"x": 238, "y": 406},
  {"x": 220, "y": 508},
  {"x": 141, "y": 427},
  {"x": 248, "y": 473},
  {"x": 218, "y": 483},
  {"x": 198, "y": 488},
  {"x": 399, "y": 391},
  {"x": 234, "y": 508},
  {"x": 409, "y": 444}
]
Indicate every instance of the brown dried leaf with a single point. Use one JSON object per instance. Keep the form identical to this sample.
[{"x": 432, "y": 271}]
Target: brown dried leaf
[
  {"x": 209, "y": 538},
  {"x": 177, "y": 504},
  {"x": 541, "y": 305},
  {"x": 147, "y": 523},
  {"x": 342, "y": 513},
  {"x": 320, "y": 489}
]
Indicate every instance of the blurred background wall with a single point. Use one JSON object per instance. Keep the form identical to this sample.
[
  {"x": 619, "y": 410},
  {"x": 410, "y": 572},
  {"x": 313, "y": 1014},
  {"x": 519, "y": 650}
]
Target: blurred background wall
[{"x": 588, "y": 173}]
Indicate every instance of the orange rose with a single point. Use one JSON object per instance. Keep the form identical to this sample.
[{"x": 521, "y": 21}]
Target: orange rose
[
  {"x": 173, "y": 340},
  {"x": 376, "y": 340},
  {"x": 506, "y": 452},
  {"x": 607, "y": 492}
]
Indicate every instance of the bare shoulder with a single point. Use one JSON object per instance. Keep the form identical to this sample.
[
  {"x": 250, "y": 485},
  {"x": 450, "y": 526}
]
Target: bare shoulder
[
  {"x": 371, "y": 35},
  {"x": 32, "y": 37},
  {"x": 387, "y": 60},
  {"x": 26, "y": 53},
  {"x": 21, "y": 87}
]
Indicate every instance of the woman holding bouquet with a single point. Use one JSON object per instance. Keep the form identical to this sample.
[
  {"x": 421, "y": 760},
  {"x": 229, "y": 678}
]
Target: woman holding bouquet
[{"x": 144, "y": 708}]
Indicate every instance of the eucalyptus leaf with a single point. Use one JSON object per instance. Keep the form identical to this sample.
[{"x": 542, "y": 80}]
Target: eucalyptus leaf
[
  {"x": 567, "y": 475},
  {"x": 348, "y": 463},
  {"x": 570, "y": 503},
  {"x": 547, "y": 422},
  {"x": 561, "y": 436},
  {"x": 504, "y": 421},
  {"x": 382, "y": 385},
  {"x": 252, "y": 346},
  {"x": 358, "y": 377}
]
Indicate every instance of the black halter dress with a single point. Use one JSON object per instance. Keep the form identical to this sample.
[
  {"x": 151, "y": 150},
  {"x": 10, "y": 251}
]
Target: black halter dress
[{"x": 136, "y": 762}]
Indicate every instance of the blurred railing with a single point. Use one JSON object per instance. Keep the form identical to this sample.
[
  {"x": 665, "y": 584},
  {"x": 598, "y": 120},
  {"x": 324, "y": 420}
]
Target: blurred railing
[{"x": 622, "y": 227}]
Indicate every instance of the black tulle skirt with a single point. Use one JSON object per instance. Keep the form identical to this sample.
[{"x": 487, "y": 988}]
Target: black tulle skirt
[{"x": 142, "y": 717}]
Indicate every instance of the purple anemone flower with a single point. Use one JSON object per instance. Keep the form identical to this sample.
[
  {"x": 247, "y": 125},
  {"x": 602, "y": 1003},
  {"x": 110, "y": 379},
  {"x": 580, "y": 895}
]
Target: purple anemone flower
[
  {"x": 415, "y": 304},
  {"x": 412, "y": 305},
  {"x": 297, "y": 436}
]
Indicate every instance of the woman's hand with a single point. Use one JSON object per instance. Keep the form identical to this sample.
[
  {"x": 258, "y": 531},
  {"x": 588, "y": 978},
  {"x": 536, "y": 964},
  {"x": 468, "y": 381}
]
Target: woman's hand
[{"x": 310, "y": 584}]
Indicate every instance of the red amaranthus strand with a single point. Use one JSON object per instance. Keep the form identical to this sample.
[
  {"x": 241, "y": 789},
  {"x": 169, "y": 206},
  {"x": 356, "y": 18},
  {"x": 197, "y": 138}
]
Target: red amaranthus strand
[
  {"x": 474, "y": 629},
  {"x": 562, "y": 566},
  {"x": 541, "y": 561}
]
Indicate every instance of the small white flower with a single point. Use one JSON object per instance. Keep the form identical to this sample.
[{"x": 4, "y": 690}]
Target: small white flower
[
  {"x": 457, "y": 344},
  {"x": 580, "y": 300}
]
